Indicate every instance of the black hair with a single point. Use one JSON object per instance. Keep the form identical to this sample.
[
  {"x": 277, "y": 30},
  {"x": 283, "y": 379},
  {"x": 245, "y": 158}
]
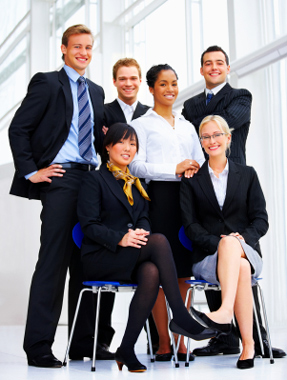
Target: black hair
[
  {"x": 214, "y": 48},
  {"x": 116, "y": 133},
  {"x": 152, "y": 74}
]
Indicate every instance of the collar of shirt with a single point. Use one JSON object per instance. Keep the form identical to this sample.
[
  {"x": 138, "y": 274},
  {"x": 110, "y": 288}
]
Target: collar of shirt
[
  {"x": 73, "y": 74},
  {"x": 214, "y": 90},
  {"x": 124, "y": 106},
  {"x": 224, "y": 171},
  {"x": 150, "y": 111}
]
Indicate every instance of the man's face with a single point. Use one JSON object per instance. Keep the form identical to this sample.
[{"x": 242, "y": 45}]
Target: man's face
[
  {"x": 78, "y": 53},
  {"x": 214, "y": 69},
  {"x": 127, "y": 84}
]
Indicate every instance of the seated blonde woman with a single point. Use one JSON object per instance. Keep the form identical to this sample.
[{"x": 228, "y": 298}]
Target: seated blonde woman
[{"x": 224, "y": 215}]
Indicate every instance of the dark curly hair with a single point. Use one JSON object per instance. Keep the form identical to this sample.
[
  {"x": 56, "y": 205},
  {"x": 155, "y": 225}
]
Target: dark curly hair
[
  {"x": 152, "y": 74},
  {"x": 116, "y": 133}
]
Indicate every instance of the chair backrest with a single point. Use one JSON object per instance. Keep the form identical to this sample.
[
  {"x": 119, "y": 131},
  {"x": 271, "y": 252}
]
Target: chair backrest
[
  {"x": 185, "y": 241},
  {"x": 78, "y": 235}
]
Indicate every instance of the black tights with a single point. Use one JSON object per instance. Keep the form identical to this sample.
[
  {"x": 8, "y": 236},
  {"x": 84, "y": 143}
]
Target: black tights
[{"x": 155, "y": 266}]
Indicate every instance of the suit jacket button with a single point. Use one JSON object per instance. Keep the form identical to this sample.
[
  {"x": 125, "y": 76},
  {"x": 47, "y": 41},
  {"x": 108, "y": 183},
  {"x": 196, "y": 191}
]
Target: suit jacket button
[
  {"x": 130, "y": 225},
  {"x": 220, "y": 220}
]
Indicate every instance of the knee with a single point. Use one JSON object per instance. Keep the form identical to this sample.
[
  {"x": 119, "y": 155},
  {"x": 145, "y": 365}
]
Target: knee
[
  {"x": 159, "y": 241},
  {"x": 228, "y": 244}
]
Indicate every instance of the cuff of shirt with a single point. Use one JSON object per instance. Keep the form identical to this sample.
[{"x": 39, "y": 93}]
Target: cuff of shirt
[{"x": 30, "y": 174}]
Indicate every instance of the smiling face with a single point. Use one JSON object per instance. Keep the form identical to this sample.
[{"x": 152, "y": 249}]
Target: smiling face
[
  {"x": 165, "y": 88},
  {"x": 127, "y": 83},
  {"x": 122, "y": 153},
  {"x": 78, "y": 52},
  {"x": 214, "y": 69},
  {"x": 217, "y": 144}
]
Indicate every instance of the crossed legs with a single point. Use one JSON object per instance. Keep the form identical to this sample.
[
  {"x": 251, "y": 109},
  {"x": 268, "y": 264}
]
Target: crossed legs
[{"x": 234, "y": 274}]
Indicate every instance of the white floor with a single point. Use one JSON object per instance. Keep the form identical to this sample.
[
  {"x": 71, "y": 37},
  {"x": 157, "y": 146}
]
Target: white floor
[{"x": 13, "y": 364}]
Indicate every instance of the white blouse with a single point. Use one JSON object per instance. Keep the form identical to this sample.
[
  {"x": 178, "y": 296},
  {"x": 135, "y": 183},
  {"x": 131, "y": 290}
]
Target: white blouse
[{"x": 162, "y": 147}]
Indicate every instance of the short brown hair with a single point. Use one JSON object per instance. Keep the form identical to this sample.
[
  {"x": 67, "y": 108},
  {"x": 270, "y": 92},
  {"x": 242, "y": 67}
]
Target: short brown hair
[
  {"x": 126, "y": 62},
  {"x": 75, "y": 29}
]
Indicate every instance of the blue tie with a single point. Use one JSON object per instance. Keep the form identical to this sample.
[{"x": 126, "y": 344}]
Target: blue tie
[
  {"x": 85, "y": 127},
  {"x": 209, "y": 97}
]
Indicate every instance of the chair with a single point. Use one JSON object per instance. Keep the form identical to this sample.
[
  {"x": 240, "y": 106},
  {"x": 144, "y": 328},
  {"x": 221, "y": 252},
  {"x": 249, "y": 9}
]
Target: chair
[
  {"x": 99, "y": 287},
  {"x": 205, "y": 285}
]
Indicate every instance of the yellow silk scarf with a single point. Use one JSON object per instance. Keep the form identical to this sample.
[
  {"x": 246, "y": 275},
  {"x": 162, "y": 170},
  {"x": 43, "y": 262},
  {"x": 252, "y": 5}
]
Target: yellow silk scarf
[{"x": 129, "y": 181}]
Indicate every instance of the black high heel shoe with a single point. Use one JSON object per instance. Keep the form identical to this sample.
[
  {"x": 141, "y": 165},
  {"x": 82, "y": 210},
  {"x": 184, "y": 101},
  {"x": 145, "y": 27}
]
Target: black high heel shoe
[
  {"x": 205, "y": 333},
  {"x": 223, "y": 328},
  {"x": 130, "y": 361},
  {"x": 245, "y": 364}
]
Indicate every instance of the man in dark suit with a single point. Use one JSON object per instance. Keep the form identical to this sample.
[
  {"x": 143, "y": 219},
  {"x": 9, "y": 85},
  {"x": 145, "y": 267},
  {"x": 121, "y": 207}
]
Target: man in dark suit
[
  {"x": 55, "y": 136},
  {"x": 234, "y": 105},
  {"x": 127, "y": 79}
]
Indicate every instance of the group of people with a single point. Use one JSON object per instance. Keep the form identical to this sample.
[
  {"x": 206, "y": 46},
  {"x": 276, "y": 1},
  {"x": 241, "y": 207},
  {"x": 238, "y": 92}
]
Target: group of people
[{"x": 158, "y": 172}]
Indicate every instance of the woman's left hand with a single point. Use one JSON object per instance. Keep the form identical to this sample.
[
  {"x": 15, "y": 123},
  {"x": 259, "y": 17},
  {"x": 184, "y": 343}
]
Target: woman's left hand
[{"x": 236, "y": 234}]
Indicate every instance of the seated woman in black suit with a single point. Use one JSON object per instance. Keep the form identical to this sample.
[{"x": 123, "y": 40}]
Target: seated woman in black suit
[
  {"x": 224, "y": 215},
  {"x": 113, "y": 213}
]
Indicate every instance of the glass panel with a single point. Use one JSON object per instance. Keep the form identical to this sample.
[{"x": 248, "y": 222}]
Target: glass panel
[
  {"x": 11, "y": 14},
  {"x": 161, "y": 38}
]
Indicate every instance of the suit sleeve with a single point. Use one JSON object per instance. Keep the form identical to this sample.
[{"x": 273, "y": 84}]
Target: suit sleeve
[
  {"x": 257, "y": 213},
  {"x": 25, "y": 121},
  {"x": 89, "y": 213},
  {"x": 236, "y": 110},
  {"x": 193, "y": 229}
]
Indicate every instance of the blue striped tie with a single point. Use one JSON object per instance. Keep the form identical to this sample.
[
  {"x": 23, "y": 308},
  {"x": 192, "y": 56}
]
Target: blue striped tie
[
  {"x": 209, "y": 97},
  {"x": 85, "y": 127}
]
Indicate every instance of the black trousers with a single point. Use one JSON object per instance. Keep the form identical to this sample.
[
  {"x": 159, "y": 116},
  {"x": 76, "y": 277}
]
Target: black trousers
[
  {"x": 58, "y": 253},
  {"x": 214, "y": 302}
]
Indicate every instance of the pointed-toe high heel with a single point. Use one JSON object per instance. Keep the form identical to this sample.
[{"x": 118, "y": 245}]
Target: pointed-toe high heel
[
  {"x": 245, "y": 364},
  {"x": 205, "y": 333},
  {"x": 222, "y": 328},
  {"x": 129, "y": 360}
]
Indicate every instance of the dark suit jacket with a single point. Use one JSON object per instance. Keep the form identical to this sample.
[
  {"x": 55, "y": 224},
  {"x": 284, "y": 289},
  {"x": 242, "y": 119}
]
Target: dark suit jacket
[
  {"x": 244, "y": 209},
  {"x": 105, "y": 216},
  {"x": 41, "y": 126},
  {"x": 114, "y": 113},
  {"x": 234, "y": 105}
]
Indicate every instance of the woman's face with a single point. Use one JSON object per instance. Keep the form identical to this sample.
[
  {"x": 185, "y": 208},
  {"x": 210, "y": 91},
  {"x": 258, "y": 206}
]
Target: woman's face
[
  {"x": 214, "y": 140},
  {"x": 122, "y": 153},
  {"x": 165, "y": 89}
]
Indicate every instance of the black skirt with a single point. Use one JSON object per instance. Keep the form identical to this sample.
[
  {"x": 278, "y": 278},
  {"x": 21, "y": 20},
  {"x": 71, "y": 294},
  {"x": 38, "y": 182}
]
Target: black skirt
[{"x": 165, "y": 217}]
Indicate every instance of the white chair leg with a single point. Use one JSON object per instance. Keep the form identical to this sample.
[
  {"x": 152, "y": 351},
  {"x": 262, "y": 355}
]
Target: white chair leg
[
  {"x": 172, "y": 337},
  {"x": 149, "y": 341},
  {"x": 74, "y": 324},
  {"x": 266, "y": 323},
  {"x": 93, "y": 368},
  {"x": 258, "y": 327}
]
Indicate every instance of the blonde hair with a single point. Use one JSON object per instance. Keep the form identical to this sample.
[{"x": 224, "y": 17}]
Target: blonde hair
[
  {"x": 222, "y": 124},
  {"x": 127, "y": 62}
]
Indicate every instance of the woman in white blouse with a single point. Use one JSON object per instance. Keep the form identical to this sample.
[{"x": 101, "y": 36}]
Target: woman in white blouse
[{"x": 168, "y": 149}]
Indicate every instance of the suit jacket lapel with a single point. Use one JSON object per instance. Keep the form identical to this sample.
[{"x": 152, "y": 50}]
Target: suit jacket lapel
[
  {"x": 212, "y": 105},
  {"x": 138, "y": 111},
  {"x": 115, "y": 188},
  {"x": 200, "y": 104},
  {"x": 120, "y": 116},
  {"x": 232, "y": 184},
  {"x": 205, "y": 183},
  {"x": 64, "y": 80}
]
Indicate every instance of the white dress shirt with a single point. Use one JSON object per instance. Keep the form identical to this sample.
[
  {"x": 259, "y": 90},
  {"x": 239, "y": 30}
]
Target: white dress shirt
[
  {"x": 127, "y": 109},
  {"x": 215, "y": 90},
  {"x": 162, "y": 147},
  {"x": 219, "y": 184}
]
